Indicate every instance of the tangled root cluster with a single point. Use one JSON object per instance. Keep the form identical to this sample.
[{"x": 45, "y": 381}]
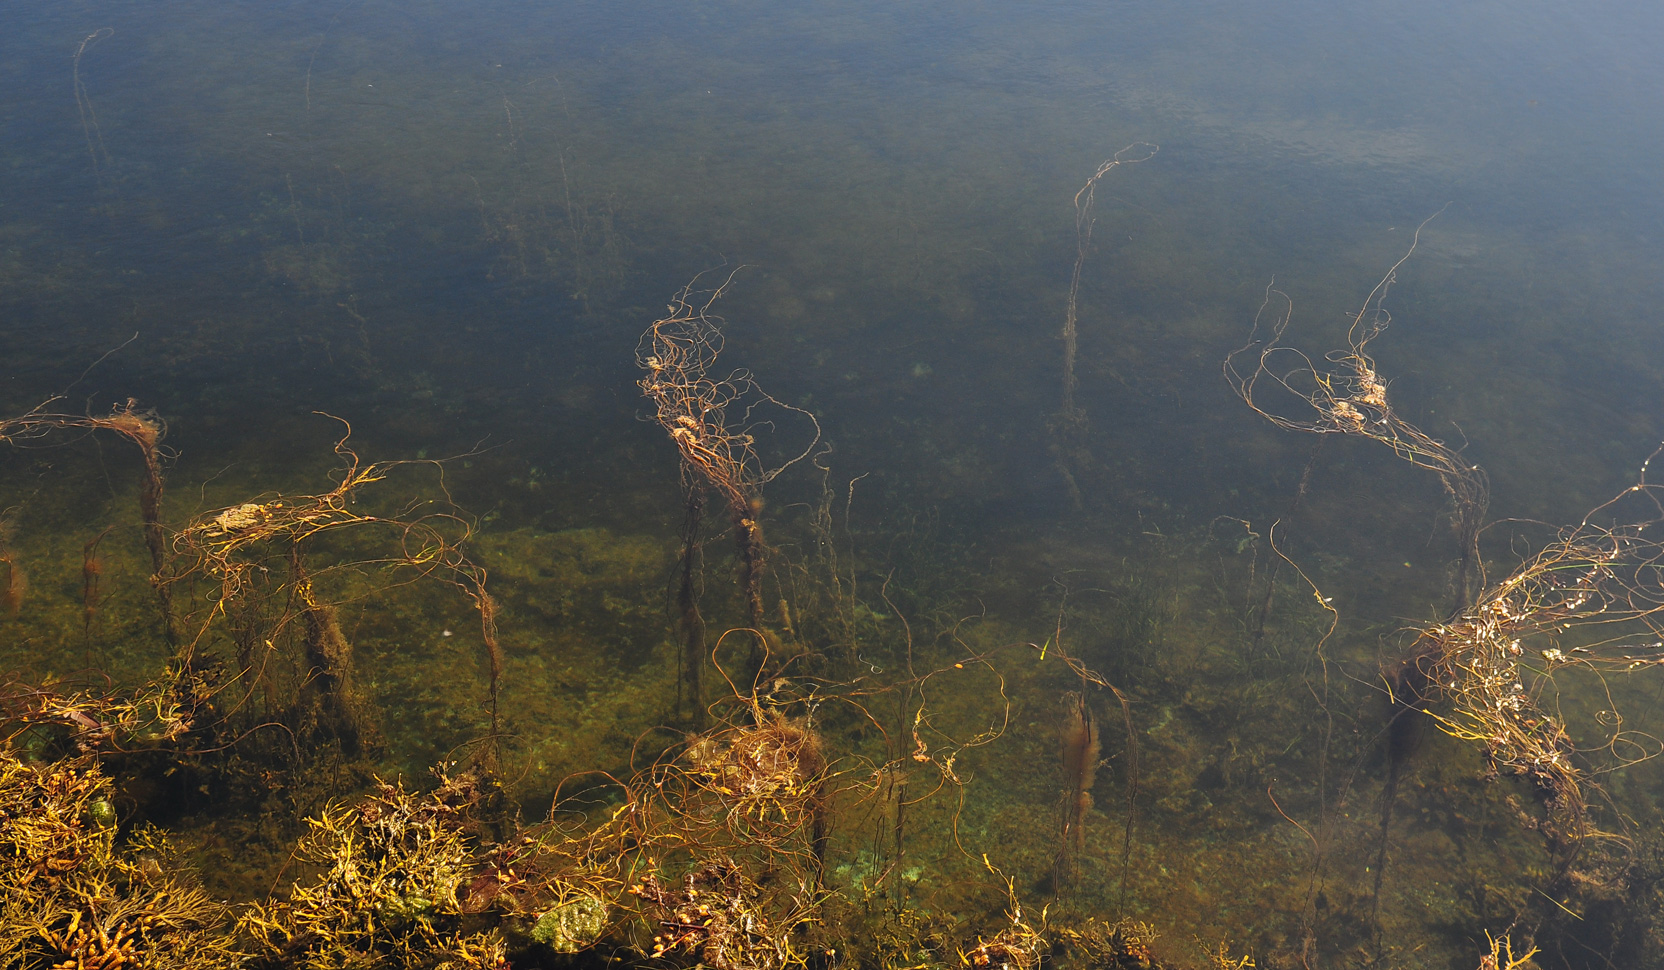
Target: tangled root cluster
[{"x": 767, "y": 772}]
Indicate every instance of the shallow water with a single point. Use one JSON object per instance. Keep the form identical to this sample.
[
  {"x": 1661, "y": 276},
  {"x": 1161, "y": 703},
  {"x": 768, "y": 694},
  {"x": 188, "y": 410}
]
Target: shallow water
[{"x": 449, "y": 225}]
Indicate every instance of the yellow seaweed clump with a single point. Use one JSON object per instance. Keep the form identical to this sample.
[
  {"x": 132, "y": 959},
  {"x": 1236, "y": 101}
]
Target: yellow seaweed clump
[
  {"x": 389, "y": 888},
  {"x": 70, "y": 896}
]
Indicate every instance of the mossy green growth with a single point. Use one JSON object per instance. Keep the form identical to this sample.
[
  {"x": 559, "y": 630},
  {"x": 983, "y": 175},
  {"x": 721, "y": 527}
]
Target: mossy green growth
[
  {"x": 572, "y": 925},
  {"x": 400, "y": 909}
]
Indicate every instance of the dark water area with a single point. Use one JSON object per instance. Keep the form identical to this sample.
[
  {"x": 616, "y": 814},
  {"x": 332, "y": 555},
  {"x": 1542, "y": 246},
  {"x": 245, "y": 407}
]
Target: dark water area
[{"x": 449, "y": 226}]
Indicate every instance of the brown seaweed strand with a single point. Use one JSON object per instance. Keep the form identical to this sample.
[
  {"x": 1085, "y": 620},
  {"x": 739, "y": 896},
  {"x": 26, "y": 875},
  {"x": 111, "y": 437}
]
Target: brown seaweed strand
[
  {"x": 1257, "y": 635},
  {"x": 145, "y": 429},
  {"x": 330, "y": 661},
  {"x": 16, "y": 586},
  {"x": 748, "y": 534},
  {"x": 1132, "y": 798},
  {"x": 493, "y": 649},
  {"x": 1089, "y": 676},
  {"x": 1069, "y": 424},
  {"x": 1080, "y": 749},
  {"x": 92, "y": 575}
]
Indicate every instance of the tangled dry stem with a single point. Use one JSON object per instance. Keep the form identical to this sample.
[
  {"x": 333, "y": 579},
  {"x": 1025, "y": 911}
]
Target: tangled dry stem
[
  {"x": 230, "y": 546},
  {"x": 714, "y": 421},
  {"x": 1350, "y": 397}
]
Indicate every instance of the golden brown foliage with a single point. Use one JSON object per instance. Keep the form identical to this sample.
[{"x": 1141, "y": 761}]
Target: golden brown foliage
[
  {"x": 392, "y": 879},
  {"x": 70, "y": 896}
]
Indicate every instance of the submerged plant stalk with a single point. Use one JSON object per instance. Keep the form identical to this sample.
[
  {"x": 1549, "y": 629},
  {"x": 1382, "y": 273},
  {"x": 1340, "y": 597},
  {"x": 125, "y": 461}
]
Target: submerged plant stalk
[
  {"x": 1080, "y": 749},
  {"x": 713, "y": 421}
]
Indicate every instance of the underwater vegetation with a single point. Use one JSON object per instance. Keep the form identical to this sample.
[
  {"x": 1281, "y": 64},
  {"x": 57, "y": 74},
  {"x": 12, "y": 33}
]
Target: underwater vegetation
[
  {"x": 1069, "y": 424},
  {"x": 884, "y": 777},
  {"x": 713, "y": 420},
  {"x": 717, "y": 849},
  {"x": 75, "y": 893},
  {"x": 393, "y": 877},
  {"x": 1583, "y": 599}
]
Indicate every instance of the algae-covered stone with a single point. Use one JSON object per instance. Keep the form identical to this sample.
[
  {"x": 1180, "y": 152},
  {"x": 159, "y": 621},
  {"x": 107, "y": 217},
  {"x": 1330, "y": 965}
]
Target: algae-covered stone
[
  {"x": 572, "y": 925},
  {"x": 101, "y": 813}
]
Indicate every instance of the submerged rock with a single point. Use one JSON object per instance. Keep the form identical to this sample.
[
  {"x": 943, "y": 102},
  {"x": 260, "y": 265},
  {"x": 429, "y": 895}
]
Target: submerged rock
[{"x": 573, "y": 925}]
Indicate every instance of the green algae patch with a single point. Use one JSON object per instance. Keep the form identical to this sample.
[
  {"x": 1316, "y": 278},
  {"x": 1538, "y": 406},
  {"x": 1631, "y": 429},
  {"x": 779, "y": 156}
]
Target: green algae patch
[{"x": 572, "y": 926}]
